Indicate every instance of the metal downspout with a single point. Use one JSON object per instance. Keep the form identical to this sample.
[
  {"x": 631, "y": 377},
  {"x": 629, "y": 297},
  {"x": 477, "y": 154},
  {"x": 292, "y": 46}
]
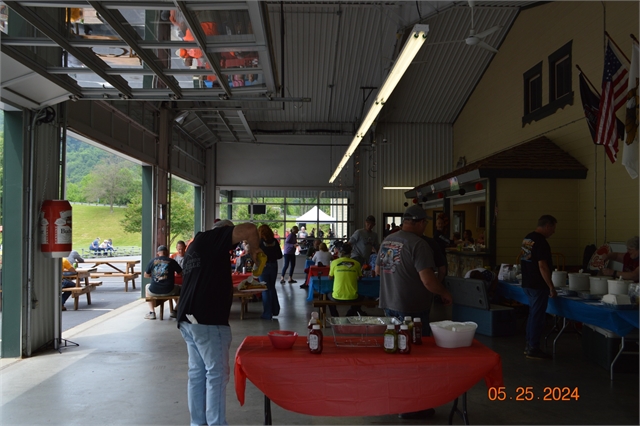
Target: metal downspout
[{"x": 26, "y": 345}]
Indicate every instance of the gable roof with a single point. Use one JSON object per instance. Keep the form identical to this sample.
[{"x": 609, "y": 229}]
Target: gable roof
[{"x": 536, "y": 159}]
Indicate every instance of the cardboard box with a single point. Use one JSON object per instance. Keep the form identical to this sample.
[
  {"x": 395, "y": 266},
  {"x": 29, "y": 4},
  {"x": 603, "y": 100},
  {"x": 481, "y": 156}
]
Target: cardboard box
[
  {"x": 601, "y": 346},
  {"x": 495, "y": 321}
]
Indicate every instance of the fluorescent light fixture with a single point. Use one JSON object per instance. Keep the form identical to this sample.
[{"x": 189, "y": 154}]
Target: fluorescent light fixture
[
  {"x": 409, "y": 51},
  {"x": 397, "y": 187}
]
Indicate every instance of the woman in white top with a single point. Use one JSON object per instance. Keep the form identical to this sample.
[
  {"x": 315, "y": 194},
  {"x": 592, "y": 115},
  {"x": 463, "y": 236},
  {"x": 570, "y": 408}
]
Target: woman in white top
[{"x": 322, "y": 255}]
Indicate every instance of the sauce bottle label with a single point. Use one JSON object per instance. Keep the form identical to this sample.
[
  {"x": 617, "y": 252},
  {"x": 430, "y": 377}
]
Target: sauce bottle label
[
  {"x": 402, "y": 342},
  {"x": 313, "y": 342},
  {"x": 389, "y": 342}
]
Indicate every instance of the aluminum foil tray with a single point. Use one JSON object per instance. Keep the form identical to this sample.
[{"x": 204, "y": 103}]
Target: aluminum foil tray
[{"x": 361, "y": 325}]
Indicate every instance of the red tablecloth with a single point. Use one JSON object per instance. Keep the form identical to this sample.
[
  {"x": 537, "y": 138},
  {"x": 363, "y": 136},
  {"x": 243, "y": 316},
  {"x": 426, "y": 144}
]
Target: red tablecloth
[
  {"x": 313, "y": 272},
  {"x": 347, "y": 381},
  {"x": 237, "y": 278}
]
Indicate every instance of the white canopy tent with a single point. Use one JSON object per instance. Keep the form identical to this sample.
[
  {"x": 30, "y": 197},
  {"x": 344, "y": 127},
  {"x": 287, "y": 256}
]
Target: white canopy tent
[{"x": 314, "y": 216}]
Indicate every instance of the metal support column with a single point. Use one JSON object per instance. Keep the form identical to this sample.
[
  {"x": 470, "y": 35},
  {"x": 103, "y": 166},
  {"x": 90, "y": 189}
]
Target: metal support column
[
  {"x": 13, "y": 224},
  {"x": 148, "y": 215}
]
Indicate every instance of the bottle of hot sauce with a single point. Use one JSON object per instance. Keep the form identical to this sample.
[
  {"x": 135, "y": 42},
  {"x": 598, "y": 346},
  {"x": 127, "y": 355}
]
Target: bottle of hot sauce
[
  {"x": 315, "y": 340},
  {"x": 313, "y": 321},
  {"x": 404, "y": 340},
  {"x": 391, "y": 339},
  {"x": 417, "y": 331}
]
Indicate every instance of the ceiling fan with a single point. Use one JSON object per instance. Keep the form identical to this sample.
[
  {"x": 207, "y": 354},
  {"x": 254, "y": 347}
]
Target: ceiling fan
[{"x": 475, "y": 39}]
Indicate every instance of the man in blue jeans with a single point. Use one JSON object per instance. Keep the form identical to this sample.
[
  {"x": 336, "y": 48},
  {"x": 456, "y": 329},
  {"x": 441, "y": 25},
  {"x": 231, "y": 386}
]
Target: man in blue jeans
[
  {"x": 537, "y": 264},
  {"x": 203, "y": 316}
]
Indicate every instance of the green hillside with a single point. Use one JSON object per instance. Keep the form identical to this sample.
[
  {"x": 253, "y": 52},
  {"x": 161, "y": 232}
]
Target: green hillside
[{"x": 90, "y": 222}]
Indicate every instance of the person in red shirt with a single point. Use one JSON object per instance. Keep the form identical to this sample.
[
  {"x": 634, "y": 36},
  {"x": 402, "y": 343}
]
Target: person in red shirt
[{"x": 178, "y": 256}]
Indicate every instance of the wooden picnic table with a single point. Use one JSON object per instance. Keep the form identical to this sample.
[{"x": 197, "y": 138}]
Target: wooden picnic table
[
  {"x": 81, "y": 277},
  {"x": 127, "y": 271}
]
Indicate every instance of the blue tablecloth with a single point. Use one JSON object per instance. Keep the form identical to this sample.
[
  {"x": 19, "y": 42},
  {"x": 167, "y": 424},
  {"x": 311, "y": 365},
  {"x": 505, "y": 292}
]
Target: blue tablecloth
[
  {"x": 368, "y": 287},
  {"x": 621, "y": 322}
]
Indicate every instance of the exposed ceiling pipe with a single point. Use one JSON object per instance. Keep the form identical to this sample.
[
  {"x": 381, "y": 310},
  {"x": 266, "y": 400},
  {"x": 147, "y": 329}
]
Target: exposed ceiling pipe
[
  {"x": 282, "y": 32},
  {"x": 335, "y": 61}
]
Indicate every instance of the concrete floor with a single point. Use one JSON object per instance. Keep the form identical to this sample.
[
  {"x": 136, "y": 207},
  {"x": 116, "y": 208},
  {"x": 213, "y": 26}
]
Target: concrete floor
[{"x": 132, "y": 371}]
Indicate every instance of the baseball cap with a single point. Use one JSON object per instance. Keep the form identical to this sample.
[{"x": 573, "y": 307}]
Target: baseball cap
[
  {"x": 162, "y": 248},
  {"x": 416, "y": 212},
  {"x": 370, "y": 218},
  {"x": 221, "y": 223}
]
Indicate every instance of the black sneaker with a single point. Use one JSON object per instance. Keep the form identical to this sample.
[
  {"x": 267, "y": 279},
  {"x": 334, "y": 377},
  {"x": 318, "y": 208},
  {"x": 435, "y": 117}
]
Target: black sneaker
[
  {"x": 292, "y": 281},
  {"x": 422, "y": 414},
  {"x": 537, "y": 353},
  {"x": 304, "y": 286},
  {"x": 526, "y": 348}
]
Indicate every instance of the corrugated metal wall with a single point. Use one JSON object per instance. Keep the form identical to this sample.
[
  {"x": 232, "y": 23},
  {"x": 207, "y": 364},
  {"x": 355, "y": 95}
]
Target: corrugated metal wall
[
  {"x": 413, "y": 154},
  {"x": 108, "y": 125},
  {"x": 282, "y": 161},
  {"x": 333, "y": 71},
  {"x": 40, "y": 302},
  {"x": 187, "y": 157}
]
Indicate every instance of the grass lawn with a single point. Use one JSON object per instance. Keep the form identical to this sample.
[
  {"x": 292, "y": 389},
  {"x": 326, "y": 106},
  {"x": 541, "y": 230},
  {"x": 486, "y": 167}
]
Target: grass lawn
[{"x": 90, "y": 222}]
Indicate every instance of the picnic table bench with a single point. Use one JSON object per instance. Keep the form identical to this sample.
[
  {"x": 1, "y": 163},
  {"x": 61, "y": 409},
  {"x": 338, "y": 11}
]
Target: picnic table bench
[
  {"x": 117, "y": 251},
  {"x": 81, "y": 277},
  {"x": 245, "y": 296},
  {"x": 159, "y": 301}
]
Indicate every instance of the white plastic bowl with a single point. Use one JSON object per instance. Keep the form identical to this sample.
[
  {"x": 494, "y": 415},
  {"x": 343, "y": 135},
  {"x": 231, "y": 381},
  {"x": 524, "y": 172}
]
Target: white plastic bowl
[{"x": 451, "y": 334}]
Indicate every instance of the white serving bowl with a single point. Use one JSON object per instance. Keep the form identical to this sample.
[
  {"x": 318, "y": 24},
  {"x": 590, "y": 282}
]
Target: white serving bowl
[{"x": 452, "y": 334}]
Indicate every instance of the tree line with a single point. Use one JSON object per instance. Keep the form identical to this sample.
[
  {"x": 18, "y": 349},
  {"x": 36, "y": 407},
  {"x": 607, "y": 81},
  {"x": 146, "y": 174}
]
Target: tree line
[{"x": 94, "y": 175}]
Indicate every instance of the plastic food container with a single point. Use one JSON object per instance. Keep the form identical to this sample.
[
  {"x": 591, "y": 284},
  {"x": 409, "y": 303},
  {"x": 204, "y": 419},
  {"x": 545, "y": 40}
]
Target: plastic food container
[
  {"x": 359, "y": 331},
  {"x": 451, "y": 334},
  {"x": 282, "y": 339},
  {"x": 559, "y": 278},
  {"x": 578, "y": 281},
  {"x": 618, "y": 286},
  {"x": 598, "y": 285}
]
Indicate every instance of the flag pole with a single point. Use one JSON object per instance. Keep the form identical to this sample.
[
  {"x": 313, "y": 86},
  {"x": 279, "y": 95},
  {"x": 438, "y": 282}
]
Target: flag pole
[
  {"x": 617, "y": 47},
  {"x": 595, "y": 171},
  {"x": 588, "y": 81}
]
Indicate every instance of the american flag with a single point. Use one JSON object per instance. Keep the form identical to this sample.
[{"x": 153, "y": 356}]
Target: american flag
[{"x": 614, "y": 89}]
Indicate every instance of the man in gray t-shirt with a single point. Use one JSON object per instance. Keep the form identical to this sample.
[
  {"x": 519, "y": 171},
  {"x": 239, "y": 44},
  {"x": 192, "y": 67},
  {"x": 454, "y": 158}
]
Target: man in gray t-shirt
[
  {"x": 406, "y": 268},
  {"x": 407, "y": 280},
  {"x": 363, "y": 241}
]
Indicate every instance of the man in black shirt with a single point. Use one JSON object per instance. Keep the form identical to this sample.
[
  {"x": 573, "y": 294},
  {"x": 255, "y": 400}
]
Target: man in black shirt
[
  {"x": 537, "y": 264},
  {"x": 203, "y": 316}
]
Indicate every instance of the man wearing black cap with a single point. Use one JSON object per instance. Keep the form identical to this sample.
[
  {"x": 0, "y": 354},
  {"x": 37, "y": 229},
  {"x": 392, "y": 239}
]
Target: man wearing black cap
[
  {"x": 161, "y": 270},
  {"x": 407, "y": 279},
  {"x": 363, "y": 241}
]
